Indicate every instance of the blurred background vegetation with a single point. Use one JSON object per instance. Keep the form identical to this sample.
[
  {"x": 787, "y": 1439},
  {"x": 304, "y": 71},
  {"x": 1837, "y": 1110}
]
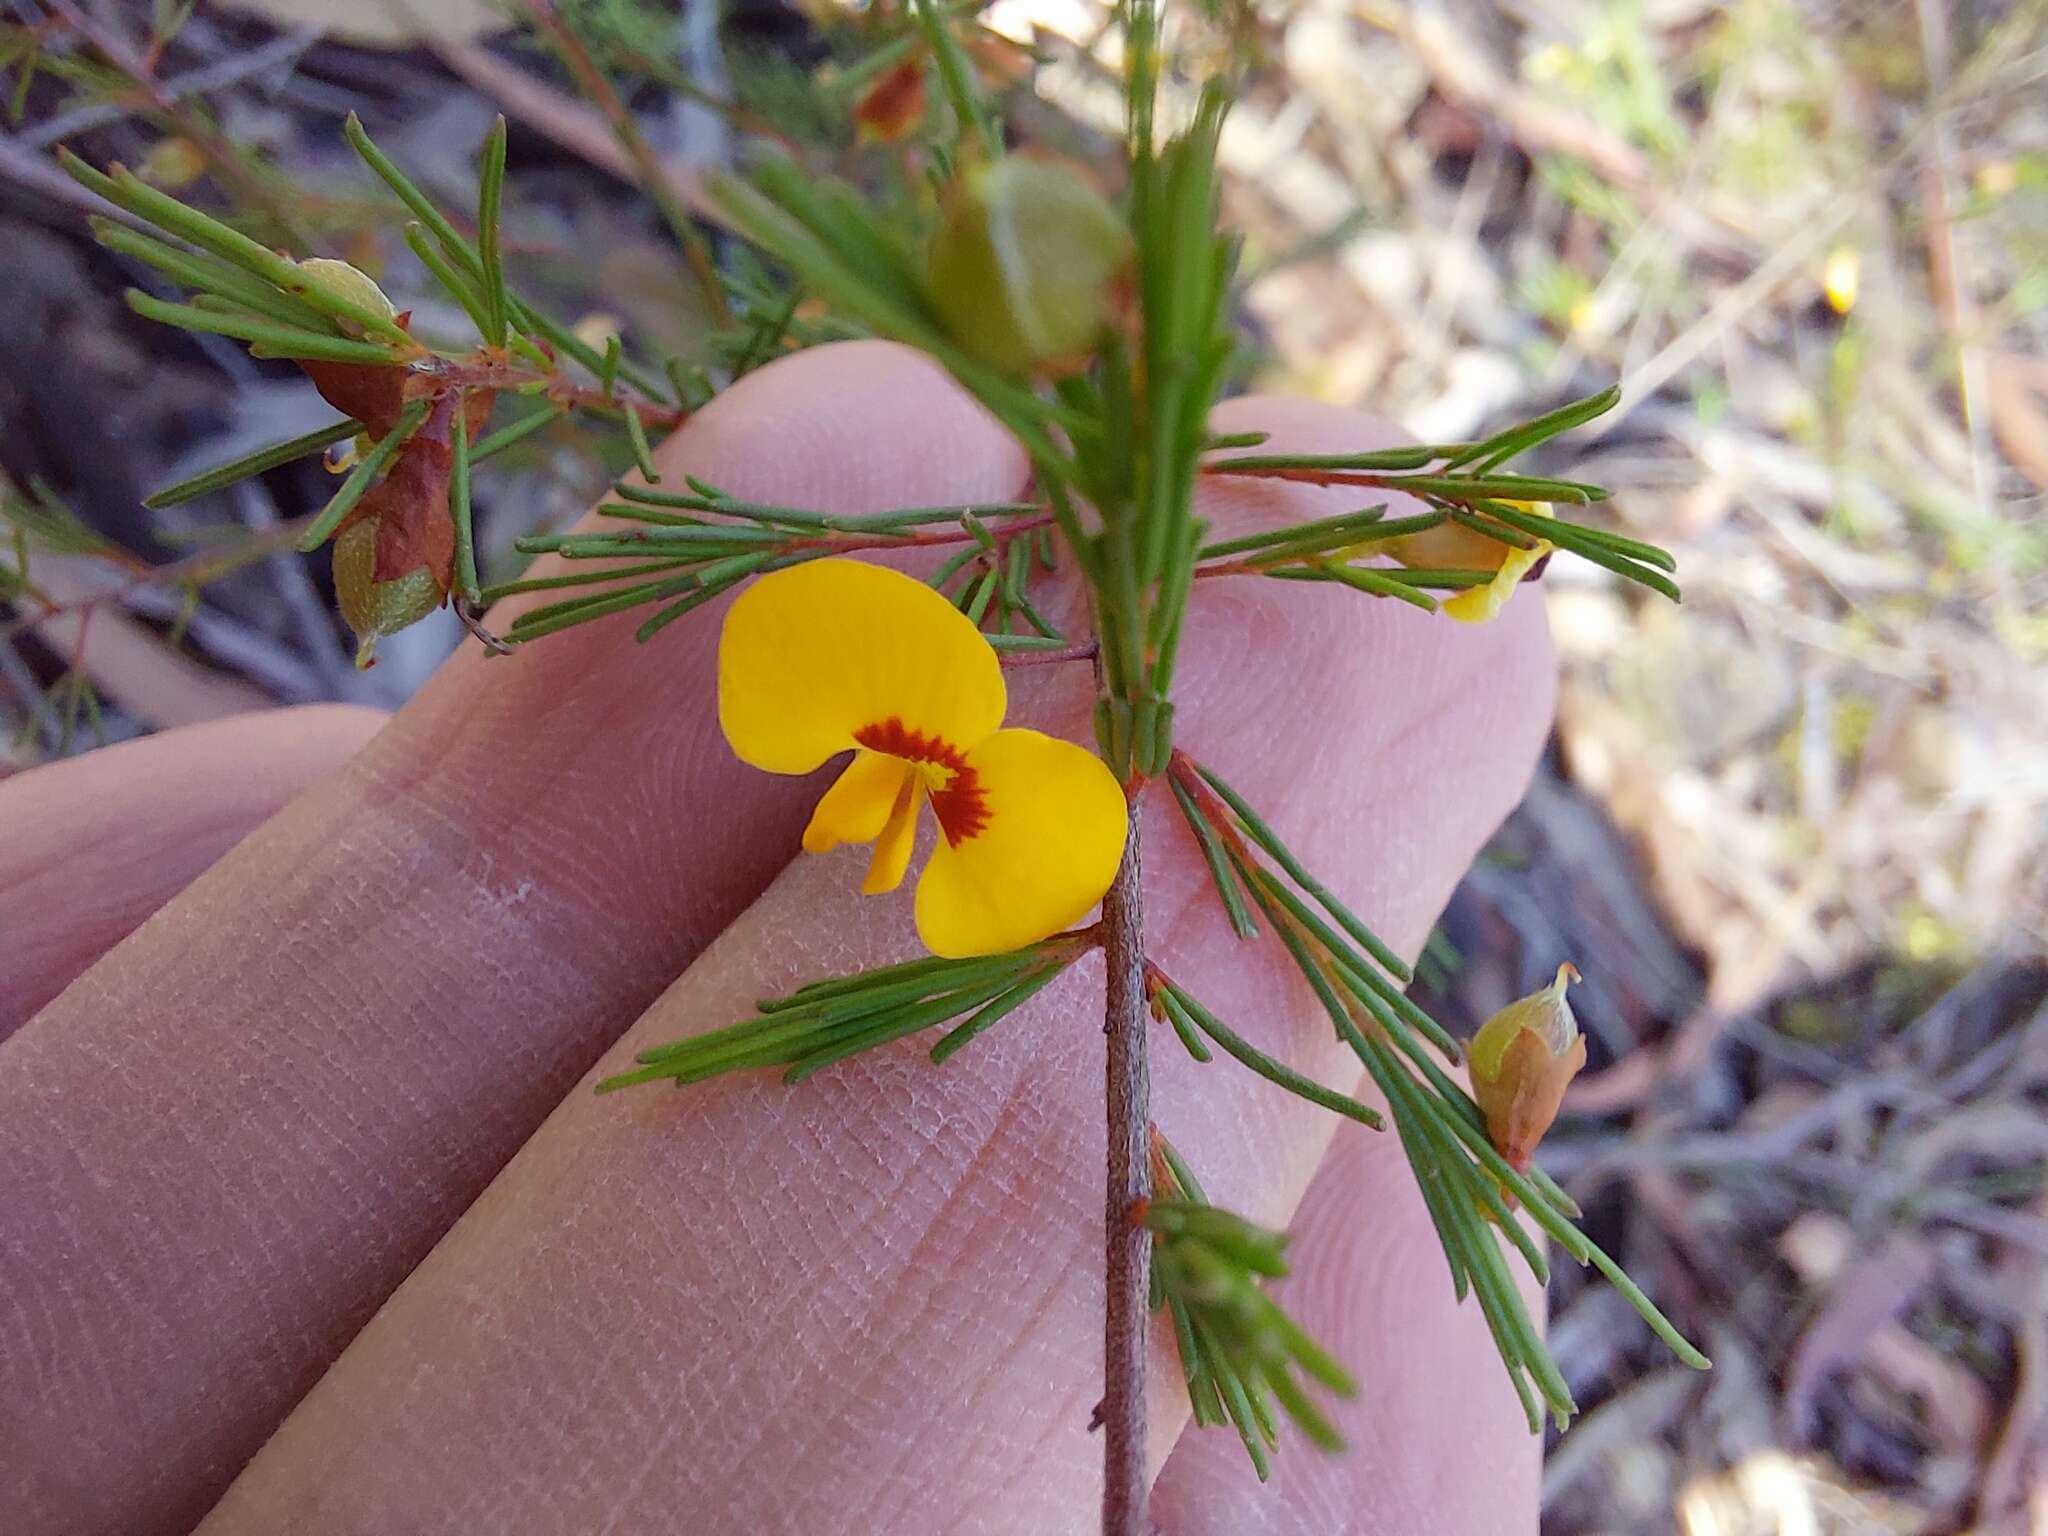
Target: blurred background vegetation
[{"x": 1792, "y": 830}]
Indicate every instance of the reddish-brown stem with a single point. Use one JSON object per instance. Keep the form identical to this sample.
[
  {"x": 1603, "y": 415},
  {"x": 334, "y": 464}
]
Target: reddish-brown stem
[
  {"x": 1035, "y": 658},
  {"x": 490, "y": 369},
  {"x": 1127, "y": 1244},
  {"x": 1311, "y": 476}
]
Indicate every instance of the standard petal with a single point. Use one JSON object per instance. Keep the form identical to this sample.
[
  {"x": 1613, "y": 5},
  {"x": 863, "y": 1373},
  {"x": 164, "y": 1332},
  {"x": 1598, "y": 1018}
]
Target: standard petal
[
  {"x": 810, "y": 655},
  {"x": 1047, "y": 845},
  {"x": 856, "y": 807}
]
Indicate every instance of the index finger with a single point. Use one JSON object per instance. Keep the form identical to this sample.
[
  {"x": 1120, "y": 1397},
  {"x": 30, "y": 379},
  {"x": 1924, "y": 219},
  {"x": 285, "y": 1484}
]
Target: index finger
[{"x": 230, "y": 1139}]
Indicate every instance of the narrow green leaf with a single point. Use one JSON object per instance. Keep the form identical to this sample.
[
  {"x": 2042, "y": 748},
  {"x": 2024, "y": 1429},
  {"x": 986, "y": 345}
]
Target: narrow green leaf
[
  {"x": 1272, "y": 1070},
  {"x": 273, "y": 339},
  {"x": 551, "y": 618},
  {"x": 460, "y": 285},
  {"x": 1503, "y": 446},
  {"x": 223, "y": 475},
  {"x": 490, "y": 256},
  {"x": 574, "y": 578},
  {"x": 1008, "y": 1003},
  {"x": 209, "y": 274},
  {"x": 636, "y": 434},
  {"x": 1269, "y": 841},
  {"x": 1387, "y": 459},
  {"x": 1212, "y": 853}
]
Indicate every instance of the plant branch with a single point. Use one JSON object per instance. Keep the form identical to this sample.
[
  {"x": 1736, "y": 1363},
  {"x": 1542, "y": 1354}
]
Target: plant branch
[{"x": 1127, "y": 1243}]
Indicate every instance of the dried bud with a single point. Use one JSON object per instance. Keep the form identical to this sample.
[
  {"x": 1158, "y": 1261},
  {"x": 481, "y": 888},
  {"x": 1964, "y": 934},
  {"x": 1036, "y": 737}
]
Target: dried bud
[
  {"x": 1453, "y": 546},
  {"x": 891, "y": 108},
  {"x": 340, "y": 280},
  {"x": 376, "y": 608},
  {"x": 1024, "y": 269},
  {"x": 1523, "y": 1058}
]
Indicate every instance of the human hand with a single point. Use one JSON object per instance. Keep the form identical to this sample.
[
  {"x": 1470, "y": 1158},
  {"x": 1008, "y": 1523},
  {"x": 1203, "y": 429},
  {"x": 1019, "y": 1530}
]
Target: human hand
[{"x": 871, "y": 1303}]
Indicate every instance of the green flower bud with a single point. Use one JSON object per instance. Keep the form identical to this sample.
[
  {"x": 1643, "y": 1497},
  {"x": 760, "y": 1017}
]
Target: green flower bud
[
  {"x": 339, "y": 280},
  {"x": 1522, "y": 1060},
  {"x": 1024, "y": 269},
  {"x": 376, "y": 608}
]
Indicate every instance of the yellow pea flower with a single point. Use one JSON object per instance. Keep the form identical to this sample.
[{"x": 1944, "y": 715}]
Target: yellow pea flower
[
  {"x": 838, "y": 654},
  {"x": 1453, "y": 546},
  {"x": 1522, "y": 1060}
]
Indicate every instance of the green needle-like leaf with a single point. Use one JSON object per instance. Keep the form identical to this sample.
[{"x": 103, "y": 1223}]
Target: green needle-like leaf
[
  {"x": 223, "y": 475},
  {"x": 490, "y": 257}
]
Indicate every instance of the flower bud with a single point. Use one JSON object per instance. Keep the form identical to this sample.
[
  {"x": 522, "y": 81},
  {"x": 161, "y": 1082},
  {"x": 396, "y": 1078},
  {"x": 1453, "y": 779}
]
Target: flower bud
[
  {"x": 376, "y": 608},
  {"x": 173, "y": 163},
  {"x": 1453, "y": 546},
  {"x": 339, "y": 280},
  {"x": 1522, "y": 1059},
  {"x": 1024, "y": 268},
  {"x": 890, "y": 109}
]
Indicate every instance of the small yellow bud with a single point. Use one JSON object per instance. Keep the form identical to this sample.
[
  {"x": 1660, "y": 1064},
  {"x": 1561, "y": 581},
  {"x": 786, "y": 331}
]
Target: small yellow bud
[
  {"x": 1523, "y": 1059},
  {"x": 1024, "y": 267},
  {"x": 375, "y": 608},
  {"x": 596, "y": 330},
  {"x": 342, "y": 281},
  {"x": 173, "y": 163}
]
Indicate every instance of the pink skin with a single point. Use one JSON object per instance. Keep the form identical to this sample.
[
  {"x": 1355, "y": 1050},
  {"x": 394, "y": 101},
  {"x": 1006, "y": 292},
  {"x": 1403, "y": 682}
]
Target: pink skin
[
  {"x": 869, "y": 1303},
  {"x": 96, "y": 845}
]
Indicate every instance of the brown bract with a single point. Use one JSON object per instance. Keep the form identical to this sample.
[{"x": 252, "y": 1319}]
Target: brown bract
[
  {"x": 894, "y": 105},
  {"x": 1521, "y": 1100},
  {"x": 409, "y": 506}
]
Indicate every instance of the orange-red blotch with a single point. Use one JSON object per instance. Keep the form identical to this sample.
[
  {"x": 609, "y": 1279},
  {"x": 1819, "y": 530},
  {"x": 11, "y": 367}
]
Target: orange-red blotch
[{"x": 959, "y": 803}]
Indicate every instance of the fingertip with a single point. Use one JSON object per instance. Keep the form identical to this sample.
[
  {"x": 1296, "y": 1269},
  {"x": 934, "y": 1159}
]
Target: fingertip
[
  {"x": 92, "y": 845},
  {"x": 850, "y": 427}
]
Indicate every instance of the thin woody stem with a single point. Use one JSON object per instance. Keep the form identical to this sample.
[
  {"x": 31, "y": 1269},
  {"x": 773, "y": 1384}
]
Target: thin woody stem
[
  {"x": 1128, "y": 1244},
  {"x": 464, "y": 373},
  {"x": 1084, "y": 652}
]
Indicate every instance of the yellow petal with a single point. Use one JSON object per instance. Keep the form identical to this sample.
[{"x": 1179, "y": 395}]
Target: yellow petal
[
  {"x": 1453, "y": 546},
  {"x": 1475, "y": 605},
  {"x": 892, "y": 848},
  {"x": 1034, "y": 832},
  {"x": 811, "y": 655},
  {"x": 1446, "y": 547},
  {"x": 857, "y": 806}
]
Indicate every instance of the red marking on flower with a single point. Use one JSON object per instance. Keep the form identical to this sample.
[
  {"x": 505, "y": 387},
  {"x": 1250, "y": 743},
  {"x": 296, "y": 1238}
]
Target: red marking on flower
[{"x": 961, "y": 805}]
